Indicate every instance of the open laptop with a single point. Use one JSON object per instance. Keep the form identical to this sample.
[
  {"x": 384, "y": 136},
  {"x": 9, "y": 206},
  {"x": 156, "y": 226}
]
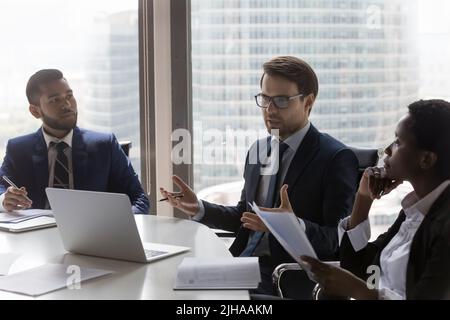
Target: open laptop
[{"x": 102, "y": 224}]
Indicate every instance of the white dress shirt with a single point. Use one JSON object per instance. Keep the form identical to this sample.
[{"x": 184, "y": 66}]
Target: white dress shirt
[
  {"x": 52, "y": 153},
  {"x": 394, "y": 257}
]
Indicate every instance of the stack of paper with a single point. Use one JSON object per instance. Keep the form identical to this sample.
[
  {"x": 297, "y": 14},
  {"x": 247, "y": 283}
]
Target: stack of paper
[
  {"x": 23, "y": 215},
  {"x": 218, "y": 273}
]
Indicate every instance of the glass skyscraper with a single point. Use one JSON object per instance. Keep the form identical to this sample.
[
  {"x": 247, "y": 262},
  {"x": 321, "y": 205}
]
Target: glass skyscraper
[
  {"x": 362, "y": 51},
  {"x": 111, "y": 100}
]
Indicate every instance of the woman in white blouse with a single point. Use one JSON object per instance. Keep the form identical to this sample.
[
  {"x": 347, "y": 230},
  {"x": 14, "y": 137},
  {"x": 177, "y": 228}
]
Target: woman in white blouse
[{"x": 412, "y": 259}]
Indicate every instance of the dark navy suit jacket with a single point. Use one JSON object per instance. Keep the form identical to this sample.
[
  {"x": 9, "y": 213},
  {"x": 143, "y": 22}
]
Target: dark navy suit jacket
[
  {"x": 99, "y": 164},
  {"x": 322, "y": 180}
]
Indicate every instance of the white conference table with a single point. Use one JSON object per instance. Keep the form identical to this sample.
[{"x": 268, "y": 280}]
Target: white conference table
[{"x": 130, "y": 280}]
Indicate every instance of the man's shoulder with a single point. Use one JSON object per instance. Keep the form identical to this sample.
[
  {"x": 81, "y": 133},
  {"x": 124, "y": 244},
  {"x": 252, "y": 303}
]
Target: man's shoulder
[
  {"x": 330, "y": 145},
  {"x": 330, "y": 148},
  {"x": 91, "y": 136},
  {"x": 21, "y": 141}
]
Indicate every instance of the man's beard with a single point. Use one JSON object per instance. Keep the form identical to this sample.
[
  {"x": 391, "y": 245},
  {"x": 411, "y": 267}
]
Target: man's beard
[{"x": 56, "y": 125}]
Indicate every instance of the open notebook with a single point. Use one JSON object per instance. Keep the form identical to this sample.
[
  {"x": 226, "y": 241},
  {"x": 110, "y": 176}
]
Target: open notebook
[
  {"x": 26, "y": 220},
  {"x": 218, "y": 273}
]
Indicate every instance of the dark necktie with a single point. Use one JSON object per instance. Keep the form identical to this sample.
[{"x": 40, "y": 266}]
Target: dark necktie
[
  {"x": 271, "y": 199},
  {"x": 61, "y": 168},
  {"x": 273, "y": 191}
]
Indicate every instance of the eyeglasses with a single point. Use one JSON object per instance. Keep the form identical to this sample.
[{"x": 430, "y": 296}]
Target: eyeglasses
[{"x": 281, "y": 102}]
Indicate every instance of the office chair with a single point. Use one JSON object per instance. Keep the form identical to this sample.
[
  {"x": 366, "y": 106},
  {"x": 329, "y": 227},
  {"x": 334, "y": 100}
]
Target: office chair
[
  {"x": 126, "y": 146},
  {"x": 287, "y": 278}
]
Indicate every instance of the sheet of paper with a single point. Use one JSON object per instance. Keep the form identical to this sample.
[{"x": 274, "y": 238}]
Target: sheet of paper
[
  {"x": 218, "y": 273},
  {"x": 23, "y": 215},
  {"x": 46, "y": 278},
  {"x": 6, "y": 260},
  {"x": 289, "y": 233}
]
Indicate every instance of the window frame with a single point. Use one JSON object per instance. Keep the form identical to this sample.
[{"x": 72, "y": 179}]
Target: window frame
[{"x": 178, "y": 103}]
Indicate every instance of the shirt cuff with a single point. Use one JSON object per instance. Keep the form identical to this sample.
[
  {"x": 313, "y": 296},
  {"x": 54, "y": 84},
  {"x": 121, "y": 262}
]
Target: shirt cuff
[
  {"x": 387, "y": 294},
  {"x": 359, "y": 236},
  {"x": 302, "y": 224},
  {"x": 200, "y": 213},
  {"x": 2, "y": 197}
]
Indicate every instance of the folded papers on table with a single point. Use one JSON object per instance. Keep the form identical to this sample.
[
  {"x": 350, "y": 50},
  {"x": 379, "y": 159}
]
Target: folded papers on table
[{"x": 218, "y": 273}]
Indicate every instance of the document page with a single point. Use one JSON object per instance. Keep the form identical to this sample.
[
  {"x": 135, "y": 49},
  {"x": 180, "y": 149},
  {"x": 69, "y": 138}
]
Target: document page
[
  {"x": 218, "y": 273},
  {"x": 46, "y": 278},
  {"x": 288, "y": 231}
]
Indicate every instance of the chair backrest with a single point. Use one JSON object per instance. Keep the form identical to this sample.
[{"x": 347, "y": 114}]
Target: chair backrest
[
  {"x": 366, "y": 158},
  {"x": 126, "y": 146}
]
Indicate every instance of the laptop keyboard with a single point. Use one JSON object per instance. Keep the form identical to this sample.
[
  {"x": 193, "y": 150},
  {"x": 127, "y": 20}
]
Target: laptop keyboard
[{"x": 153, "y": 253}]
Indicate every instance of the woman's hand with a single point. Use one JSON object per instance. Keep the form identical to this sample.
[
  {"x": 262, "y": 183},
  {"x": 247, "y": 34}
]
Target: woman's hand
[
  {"x": 374, "y": 184},
  {"x": 338, "y": 282}
]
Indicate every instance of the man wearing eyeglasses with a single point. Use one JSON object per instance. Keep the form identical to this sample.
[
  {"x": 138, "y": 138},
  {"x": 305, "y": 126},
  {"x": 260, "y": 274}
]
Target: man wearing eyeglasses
[{"x": 319, "y": 172}]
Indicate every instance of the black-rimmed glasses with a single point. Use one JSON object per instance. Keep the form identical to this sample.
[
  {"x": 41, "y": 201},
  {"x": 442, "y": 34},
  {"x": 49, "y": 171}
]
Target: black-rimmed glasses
[{"x": 281, "y": 102}]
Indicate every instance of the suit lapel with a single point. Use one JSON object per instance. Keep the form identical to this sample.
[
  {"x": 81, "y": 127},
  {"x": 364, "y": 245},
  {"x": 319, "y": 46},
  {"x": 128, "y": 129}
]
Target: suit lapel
[
  {"x": 305, "y": 153},
  {"x": 40, "y": 166},
  {"x": 253, "y": 181},
  {"x": 79, "y": 159},
  {"x": 262, "y": 152},
  {"x": 419, "y": 242}
]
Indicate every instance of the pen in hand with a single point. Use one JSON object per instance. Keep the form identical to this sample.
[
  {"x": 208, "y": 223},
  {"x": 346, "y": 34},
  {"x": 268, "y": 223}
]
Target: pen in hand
[
  {"x": 175, "y": 196},
  {"x": 12, "y": 184}
]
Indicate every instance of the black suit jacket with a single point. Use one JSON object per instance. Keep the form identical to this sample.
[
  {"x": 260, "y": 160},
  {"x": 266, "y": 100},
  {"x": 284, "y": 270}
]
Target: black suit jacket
[
  {"x": 428, "y": 269},
  {"x": 322, "y": 180}
]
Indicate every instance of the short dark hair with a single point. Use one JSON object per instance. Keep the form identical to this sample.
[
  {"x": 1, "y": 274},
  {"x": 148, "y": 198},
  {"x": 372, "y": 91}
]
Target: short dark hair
[
  {"x": 38, "y": 79},
  {"x": 431, "y": 127},
  {"x": 295, "y": 70}
]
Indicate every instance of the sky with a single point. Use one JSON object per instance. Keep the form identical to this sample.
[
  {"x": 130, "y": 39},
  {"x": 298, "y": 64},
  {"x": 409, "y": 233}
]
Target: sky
[{"x": 433, "y": 16}]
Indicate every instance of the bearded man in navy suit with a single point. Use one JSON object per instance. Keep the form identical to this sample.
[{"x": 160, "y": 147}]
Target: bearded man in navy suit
[{"x": 61, "y": 155}]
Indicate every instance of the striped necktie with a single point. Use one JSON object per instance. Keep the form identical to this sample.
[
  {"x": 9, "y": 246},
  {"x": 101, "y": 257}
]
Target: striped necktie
[{"x": 61, "y": 168}]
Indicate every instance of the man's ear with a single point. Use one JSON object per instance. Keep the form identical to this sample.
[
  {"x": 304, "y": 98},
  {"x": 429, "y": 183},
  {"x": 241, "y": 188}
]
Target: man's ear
[
  {"x": 428, "y": 160},
  {"x": 35, "y": 111},
  {"x": 309, "y": 102}
]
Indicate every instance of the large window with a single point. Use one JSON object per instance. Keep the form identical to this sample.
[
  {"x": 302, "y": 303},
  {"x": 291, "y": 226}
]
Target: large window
[
  {"x": 94, "y": 43},
  {"x": 366, "y": 54},
  {"x": 372, "y": 57}
]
